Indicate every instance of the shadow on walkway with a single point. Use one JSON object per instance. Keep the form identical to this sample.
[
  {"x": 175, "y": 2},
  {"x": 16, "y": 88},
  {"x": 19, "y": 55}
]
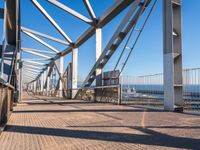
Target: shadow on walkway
[
  {"x": 85, "y": 110},
  {"x": 151, "y": 137}
]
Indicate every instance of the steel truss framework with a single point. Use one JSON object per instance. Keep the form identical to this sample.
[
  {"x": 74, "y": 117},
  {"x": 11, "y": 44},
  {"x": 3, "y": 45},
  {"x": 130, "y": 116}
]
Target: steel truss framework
[{"x": 39, "y": 76}]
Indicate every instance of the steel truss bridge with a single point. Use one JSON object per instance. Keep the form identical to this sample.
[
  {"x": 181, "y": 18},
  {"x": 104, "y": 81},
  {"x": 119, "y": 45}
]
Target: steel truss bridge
[{"x": 30, "y": 74}]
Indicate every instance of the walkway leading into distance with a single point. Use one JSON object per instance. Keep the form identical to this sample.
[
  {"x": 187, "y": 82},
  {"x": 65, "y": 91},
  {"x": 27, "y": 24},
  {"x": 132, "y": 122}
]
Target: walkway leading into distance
[{"x": 50, "y": 123}]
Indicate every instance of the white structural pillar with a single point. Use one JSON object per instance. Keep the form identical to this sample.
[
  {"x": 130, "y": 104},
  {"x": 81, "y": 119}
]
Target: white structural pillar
[
  {"x": 35, "y": 88},
  {"x": 61, "y": 70},
  {"x": 98, "y": 92},
  {"x": 42, "y": 83},
  {"x": 172, "y": 36},
  {"x": 48, "y": 80},
  {"x": 74, "y": 71},
  {"x": 44, "y": 79},
  {"x": 98, "y": 54},
  {"x": 19, "y": 67}
]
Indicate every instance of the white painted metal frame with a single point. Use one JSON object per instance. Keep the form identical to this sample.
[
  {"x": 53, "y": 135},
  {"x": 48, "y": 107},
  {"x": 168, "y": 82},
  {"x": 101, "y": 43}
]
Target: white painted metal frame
[
  {"x": 35, "y": 53},
  {"x": 44, "y": 35},
  {"x": 71, "y": 11},
  {"x": 44, "y": 12},
  {"x": 35, "y": 50},
  {"x": 90, "y": 10},
  {"x": 40, "y": 41}
]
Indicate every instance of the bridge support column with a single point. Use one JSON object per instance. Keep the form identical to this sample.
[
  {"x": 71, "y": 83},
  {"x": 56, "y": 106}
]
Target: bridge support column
[
  {"x": 172, "y": 36},
  {"x": 74, "y": 71},
  {"x": 35, "y": 87},
  {"x": 44, "y": 79},
  {"x": 61, "y": 70},
  {"x": 48, "y": 80},
  {"x": 42, "y": 83},
  {"x": 98, "y": 54},
  {"x": 19, "y": 76}
]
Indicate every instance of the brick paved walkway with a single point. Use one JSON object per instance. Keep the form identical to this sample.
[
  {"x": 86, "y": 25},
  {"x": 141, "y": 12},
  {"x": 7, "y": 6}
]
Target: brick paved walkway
[{"x": 41, "y": 123}]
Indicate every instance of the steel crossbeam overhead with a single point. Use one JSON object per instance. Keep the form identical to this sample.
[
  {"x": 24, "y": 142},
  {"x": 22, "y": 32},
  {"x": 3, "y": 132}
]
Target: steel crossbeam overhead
[
  {"x": 34, "y": 70},
  {"x": 40, "y": 41},
  {"x": 28, "y": 75},
  {"x": 90, "y": 10},
  {"x": 36, "y": 50},
  {"x": 31, "y": 66},
  {"x": 112, "y": 12},
  {"x": 44, "y": 12},
  {"x": 32, "y": 62},
  {"x": 44, "y": 35},
  {"x": 35, "y": 59},
  {"x": 37, "y": 65},
  {"x": 31, "y": 72},
  {"x": 35, "y": 53},
  {"x": 72, "y": 12},
  {"x": 27, "y": 67}
]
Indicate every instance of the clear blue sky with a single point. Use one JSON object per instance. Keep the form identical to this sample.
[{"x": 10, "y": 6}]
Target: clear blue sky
[{"x": 147, "y": 57}]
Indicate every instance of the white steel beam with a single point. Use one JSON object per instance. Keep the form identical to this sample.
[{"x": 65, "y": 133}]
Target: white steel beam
[
  {"x": 35, "y": 59},
  {"x": 44, "y": 35},
  {"x": 35, "y": 53},
  {"x": 28, "y": 71},
  {"x": 44, "y": 12},
  {"x": 40, "y": 41},
  {"x": 71, "y": 11},
  {"x": 27, "y": 75},
  {"x": 25, "y": 68},
  {"x": 32, "y": 62},
  {"x": 36, "y": 50},
  {"x": 31, "y": 66},
  {"x": 90, "y": 10},
  {"x": 37, "y": 65}
]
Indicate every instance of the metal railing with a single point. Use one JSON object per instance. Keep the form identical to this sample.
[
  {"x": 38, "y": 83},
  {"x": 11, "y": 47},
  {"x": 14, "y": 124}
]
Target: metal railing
[{"x": 148, "y": 89}]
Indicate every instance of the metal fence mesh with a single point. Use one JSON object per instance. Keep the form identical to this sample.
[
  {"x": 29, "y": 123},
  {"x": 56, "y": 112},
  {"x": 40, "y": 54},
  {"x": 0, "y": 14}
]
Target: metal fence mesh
[{"x": 148, "y": 89}]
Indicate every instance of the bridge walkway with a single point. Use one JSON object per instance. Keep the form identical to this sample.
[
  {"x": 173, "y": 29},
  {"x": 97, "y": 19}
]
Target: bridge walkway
[{"x": 51, "y": 123}]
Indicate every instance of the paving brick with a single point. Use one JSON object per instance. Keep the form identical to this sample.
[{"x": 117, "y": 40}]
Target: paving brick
[{"x": 40, "y": 123}]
